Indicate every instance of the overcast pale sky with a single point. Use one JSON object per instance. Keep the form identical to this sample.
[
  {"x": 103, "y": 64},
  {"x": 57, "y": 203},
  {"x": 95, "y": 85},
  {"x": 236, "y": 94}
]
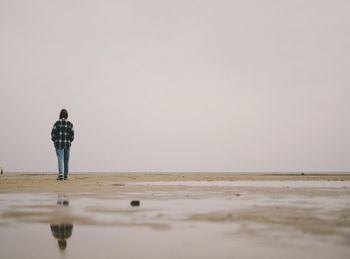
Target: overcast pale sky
[{"x": 236, "y": 86}]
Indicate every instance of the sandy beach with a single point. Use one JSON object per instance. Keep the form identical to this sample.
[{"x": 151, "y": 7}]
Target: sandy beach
[
  {"x": 99, "y": 184},
  {"x": 180, "y": 215}
]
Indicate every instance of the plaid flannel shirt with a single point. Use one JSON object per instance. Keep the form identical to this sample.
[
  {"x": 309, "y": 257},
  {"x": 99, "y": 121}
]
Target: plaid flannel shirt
[{"x": 62, "y": 134}]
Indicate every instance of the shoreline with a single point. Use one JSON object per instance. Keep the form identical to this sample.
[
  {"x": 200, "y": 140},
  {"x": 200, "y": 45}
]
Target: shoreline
[{"x": 187, "y": 173}]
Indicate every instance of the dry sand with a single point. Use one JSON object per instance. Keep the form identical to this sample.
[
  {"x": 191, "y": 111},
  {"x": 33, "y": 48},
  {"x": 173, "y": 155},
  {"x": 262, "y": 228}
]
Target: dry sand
[{"x": 107, "y": 183}]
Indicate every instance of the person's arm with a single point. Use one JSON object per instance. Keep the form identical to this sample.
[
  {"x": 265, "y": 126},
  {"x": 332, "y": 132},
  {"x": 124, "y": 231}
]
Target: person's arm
[
  {"x": 71, "y": 134},
  {"x": 53, "y": 133}
]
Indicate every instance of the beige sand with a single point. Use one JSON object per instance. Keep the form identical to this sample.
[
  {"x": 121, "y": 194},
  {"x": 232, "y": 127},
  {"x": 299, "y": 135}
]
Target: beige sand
[{"x": 107, "y": 183}]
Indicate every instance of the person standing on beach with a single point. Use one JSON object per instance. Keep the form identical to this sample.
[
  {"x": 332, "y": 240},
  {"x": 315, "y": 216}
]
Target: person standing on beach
[{"x": 62, "y": 135}]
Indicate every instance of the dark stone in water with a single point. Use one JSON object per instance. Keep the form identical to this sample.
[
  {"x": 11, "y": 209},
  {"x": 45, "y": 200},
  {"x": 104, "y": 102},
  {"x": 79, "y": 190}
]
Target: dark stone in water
[{"x": 135, "y": 203}]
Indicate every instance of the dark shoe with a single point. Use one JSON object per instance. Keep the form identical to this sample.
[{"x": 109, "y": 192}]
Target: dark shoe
[
  {"x": 65, "y": 177},
  {"x": 60, "y": 177}
]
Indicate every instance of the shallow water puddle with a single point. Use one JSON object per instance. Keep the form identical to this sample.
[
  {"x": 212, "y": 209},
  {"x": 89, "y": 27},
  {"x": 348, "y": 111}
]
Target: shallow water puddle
[{"x": 256, "y": 224}]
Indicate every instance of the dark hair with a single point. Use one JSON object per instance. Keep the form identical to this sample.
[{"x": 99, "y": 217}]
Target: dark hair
[
  {"x": 62, "y": 244},
  {"x": 63, "y": 114}
]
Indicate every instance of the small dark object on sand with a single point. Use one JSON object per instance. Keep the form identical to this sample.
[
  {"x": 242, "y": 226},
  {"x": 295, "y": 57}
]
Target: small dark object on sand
[
  {"x": 118, "y": 184},
  {"x": 302, "y": 174},
  {"x": 135, "y": 203},
  {"x": 2, "y": 171}
]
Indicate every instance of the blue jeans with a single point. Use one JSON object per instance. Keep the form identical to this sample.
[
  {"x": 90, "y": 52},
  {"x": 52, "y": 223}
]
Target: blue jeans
[{"x": 63, "y": 159}]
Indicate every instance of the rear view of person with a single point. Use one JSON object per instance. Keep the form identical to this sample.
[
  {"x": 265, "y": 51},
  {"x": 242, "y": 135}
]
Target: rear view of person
[{"x": 62, "y": 135}]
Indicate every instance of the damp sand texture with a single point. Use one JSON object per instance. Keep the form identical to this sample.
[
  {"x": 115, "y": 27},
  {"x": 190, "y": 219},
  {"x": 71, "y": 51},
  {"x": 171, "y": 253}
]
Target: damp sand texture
[{"x": 180, "y": 216}]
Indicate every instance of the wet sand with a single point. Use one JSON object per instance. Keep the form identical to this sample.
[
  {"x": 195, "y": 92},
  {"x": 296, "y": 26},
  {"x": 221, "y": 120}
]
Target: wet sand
[{"x": 180, "y": 216}]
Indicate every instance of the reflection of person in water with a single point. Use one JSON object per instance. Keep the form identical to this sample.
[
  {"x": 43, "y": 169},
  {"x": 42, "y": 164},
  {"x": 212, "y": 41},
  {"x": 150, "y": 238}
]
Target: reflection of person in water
[{"x": 62, "y": 230}]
